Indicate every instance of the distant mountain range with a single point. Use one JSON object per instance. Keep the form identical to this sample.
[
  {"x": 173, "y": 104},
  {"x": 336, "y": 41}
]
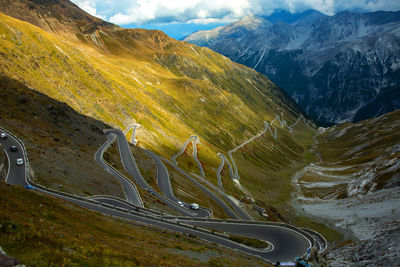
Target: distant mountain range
[{"x": 338, "y": 68}]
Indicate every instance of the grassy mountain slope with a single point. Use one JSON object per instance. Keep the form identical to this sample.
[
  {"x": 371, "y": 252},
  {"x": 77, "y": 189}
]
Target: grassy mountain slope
[
  {"x": 120, "y": 76},
  {"x": 112, "y": 76},
  {"x": 60, "y": 142},
  {"x": 169, "y": 87},
  {"x": 40, "y": 230}
]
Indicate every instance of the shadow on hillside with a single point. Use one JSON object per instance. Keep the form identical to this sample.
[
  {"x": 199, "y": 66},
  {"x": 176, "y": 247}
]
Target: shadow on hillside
[{"x": 60, "y": 141}]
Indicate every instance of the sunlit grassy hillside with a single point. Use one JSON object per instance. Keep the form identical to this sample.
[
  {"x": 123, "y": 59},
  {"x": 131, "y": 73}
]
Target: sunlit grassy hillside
[
  {"x": 172, "y": 88},
  {"x": 120, "y": 76},
  {"x": 42, "y": 231}
]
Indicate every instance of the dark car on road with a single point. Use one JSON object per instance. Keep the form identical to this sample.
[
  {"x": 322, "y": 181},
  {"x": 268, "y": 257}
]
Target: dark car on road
[
  {"x": 30, "y": 187},
  {"x": 13, "y": 149}
]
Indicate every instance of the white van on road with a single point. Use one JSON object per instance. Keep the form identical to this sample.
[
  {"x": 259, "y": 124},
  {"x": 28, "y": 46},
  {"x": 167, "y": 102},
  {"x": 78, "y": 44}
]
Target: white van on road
[{"x": 194, "y": 206}]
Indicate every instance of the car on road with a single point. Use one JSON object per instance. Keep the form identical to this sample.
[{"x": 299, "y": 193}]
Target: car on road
[
  {"x": 13, "y": 149},
  {"x": 194, "y": 206},
  {"x": 149, "y": 191},
  {"x": 30, "y": 187},
  {"x": 3, "y": 136},
  {"x": 180, "y": 203},
  {"x": 20, "y": 162}
]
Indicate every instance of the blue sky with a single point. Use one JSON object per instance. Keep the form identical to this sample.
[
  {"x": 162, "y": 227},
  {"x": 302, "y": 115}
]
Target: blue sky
[{"x": 181, "y": 17}]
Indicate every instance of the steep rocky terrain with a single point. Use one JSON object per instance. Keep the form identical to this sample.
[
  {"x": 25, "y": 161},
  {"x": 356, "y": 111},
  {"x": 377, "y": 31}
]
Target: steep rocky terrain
[
  {"x": 355, "y": 186},
  {"x": 337, "y": 68},
  {"x": 58, "y": 16}
]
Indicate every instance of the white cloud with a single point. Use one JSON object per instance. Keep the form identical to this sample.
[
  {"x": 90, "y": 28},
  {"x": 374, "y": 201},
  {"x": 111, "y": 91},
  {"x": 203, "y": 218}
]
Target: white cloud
[
  {"x": 159, "y": 11},
  {"x": 210, "y": 11},
  {"x": 90, "y": 7}
]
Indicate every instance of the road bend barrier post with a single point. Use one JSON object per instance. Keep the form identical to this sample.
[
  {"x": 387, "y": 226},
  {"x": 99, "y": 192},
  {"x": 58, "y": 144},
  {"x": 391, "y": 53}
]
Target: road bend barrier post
[
  {"x": 93, "y": 201},
  {"x": 187, "y": 225},
  {"x": 222, "y": 235},
  {"x": 121, "y": 209},
  {"x": 204, "y": 230}
]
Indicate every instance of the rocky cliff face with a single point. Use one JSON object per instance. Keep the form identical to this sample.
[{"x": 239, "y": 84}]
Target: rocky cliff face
[
  {"x": 338, "y": 68},
  {"x": 355, "y": 187}
]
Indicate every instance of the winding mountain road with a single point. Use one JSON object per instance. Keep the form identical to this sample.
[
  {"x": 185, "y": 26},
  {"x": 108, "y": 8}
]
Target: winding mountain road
[
  {"x": 267, "y": 127},
  {"x": 219, "y": 201},
  {"x": 194, "y": 139},
  {"x": 134, "y": 127},
  {"x": 237, "y": 209},
  {"x": 129, "y": 188},
  {"x": 287, "y": 242},
  {"x": 129, "y": 163},
  {"x": 164, "y": 183},
  {"x": 16, "y": 175}
]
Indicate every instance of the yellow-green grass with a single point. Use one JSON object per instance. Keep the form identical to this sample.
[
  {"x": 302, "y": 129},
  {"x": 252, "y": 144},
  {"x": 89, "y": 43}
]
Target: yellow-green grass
[
  {"x": 375, "y": 134},
  {"x": 209, "y": 164},
  {"x": 40, "y": 230},
  {"x": 266, "y": 165},
  {"x": 172, "y": 88}
]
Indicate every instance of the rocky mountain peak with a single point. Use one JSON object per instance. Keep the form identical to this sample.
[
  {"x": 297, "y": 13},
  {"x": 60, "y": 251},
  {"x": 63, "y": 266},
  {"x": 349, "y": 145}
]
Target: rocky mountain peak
[
  {"x": 333, "y": 66},
  {"x": 251, "y": 22}
]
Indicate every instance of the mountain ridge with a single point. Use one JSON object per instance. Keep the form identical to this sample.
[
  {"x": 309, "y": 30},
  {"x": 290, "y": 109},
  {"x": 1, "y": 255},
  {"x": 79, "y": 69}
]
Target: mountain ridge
[
  {"x": 58, "y": 16},
  {"x": 355, "y": 56}
]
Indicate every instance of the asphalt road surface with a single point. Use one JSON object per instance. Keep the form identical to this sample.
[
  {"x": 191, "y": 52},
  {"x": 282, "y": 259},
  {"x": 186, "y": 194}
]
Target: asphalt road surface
[
  {"x": 129, "y": 163},
  {"x": 237, "y": 209},
  {"x": 286, "y": 243},
  {"x": 16, "y": 174},
  {"x": 219, "y": 201},
  {"x": 130, "y": 190}
]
